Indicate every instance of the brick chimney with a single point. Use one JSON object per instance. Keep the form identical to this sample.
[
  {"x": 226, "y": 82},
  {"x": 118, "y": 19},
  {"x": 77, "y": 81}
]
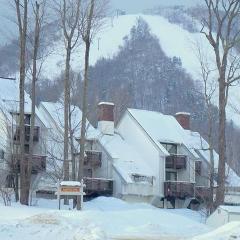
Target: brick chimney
[
  {"x": 184, "y": 119},
  {"x": 106, "y": 118}
]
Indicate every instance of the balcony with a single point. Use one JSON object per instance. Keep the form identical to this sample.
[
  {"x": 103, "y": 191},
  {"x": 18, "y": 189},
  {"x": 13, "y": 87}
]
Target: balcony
[
  {"x": 178, "y": 189},
  {"x": 202, "y": 192},
  {"x": 98, "y": 186},
  {"x": 36, "y": 134},
  {"x": 176, "y": 161},
  {"x": 38, "y": 162},
  {"x": 93, "y": 159}
]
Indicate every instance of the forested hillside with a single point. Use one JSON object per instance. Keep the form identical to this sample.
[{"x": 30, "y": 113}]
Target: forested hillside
[{"x": 142, "y": 76}]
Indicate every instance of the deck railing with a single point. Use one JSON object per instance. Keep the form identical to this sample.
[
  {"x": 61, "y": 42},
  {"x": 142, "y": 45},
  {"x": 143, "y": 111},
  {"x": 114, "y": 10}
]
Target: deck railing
[
  {"x": 93, "y": 158},
  {"x": 38, "y": 162},
  {"x": 178, "y": 189},
  {"x": 98, "y": 186},
  {"x": 176, "y": 161}
]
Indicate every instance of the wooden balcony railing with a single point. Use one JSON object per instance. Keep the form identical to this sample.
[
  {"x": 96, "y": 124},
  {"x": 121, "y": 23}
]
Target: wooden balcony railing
[
  {"x": 176, "y": 161},
  {"x": 36, "y": 134},
  {"x": 98, "y": 186},
  {"x": 38, "y": 162},
  {"x": 93, "y": 158},
  {"x": 178, "y": 189}
]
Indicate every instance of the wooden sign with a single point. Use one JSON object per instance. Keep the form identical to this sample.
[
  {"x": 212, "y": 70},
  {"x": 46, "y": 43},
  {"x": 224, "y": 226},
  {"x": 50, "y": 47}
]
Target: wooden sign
[{"x": 70, "y": 188}]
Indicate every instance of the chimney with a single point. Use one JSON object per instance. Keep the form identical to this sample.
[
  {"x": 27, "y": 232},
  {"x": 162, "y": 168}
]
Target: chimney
[
  {"x": 106, "y": 118},
  {"x": 183, "y": 119}
]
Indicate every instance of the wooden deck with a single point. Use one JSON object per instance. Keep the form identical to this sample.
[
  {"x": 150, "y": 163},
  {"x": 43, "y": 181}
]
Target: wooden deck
[
  {"x": 177, "y": 189},
  {"x": 38, "y": 163},
  {"x": 98, "y": 187},
  {"x": 176, "y": 161}
]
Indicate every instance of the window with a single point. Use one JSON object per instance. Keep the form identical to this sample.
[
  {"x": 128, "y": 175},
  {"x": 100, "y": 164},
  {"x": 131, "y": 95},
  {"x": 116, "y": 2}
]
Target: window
[
  {"x": 170, "y": 147},
  {"x": 2, "y": 154},
  {"x": 171, "y": 176},
  {"x": 27, "y": 119},
  {"x": 26, "y": 148},
  {"x": 141, "y": 178},
  {"x": 88, "y": 172}
]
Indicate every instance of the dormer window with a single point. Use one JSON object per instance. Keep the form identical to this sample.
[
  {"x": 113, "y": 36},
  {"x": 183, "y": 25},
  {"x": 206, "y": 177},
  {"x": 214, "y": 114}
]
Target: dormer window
[{"x": 170, "y": 147}]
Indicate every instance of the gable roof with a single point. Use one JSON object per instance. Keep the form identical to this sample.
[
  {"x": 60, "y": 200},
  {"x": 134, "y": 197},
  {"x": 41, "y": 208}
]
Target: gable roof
[
  {"x": 9, "y": 99},
  {"x": 126, "y": 160},
  {"x": 56, "y": 112},
  {"x": 161, "y": 128},
  {"x": 198, "y": 144}
]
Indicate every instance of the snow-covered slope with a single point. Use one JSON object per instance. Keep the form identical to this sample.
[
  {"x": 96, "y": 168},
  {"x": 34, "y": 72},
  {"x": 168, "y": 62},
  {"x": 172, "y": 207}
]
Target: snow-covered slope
[{"x": 175, "y": 41}]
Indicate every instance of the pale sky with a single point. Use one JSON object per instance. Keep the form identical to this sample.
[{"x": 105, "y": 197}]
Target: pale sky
[{"x": 136, "y": 6}]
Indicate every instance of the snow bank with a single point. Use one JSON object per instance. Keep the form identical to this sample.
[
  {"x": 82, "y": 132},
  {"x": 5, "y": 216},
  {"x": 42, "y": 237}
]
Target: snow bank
[
  {"x": 229, "y": 231},
  {"x": 101, "y": 219}
]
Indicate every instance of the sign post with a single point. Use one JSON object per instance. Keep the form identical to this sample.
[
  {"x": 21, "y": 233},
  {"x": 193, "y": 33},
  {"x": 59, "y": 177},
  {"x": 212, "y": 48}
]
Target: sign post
[{"x": 70, "y": 188}]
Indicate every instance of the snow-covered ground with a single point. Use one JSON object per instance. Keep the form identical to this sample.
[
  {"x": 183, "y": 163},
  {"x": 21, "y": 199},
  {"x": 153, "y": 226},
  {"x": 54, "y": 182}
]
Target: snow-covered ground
[
  {"x": 108, "y": 219},
  {"x": 101, "y": 219},
  {"x": 229, "y": 231}
]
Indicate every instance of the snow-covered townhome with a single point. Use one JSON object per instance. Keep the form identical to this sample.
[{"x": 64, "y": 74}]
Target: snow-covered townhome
[
  {"x": 10, "y": 135},
  {"x": 54, "y": 116},
  {"x": 153, "y": 157},
  {"x": 146, "y": 156}
]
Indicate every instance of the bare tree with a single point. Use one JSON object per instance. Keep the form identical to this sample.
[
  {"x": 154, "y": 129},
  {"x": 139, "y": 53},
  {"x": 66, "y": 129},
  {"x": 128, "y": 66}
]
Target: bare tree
[
  {"x": 92, "y": 15},
  {"x": 86, "y": 36},
  {"x": 22, "y": 20},
  {"x": 38, "y": 13},
  {"x": 210, "y": 85},
  {"x": 221, "y": 28},
  {"x": 69, "y": 12}
]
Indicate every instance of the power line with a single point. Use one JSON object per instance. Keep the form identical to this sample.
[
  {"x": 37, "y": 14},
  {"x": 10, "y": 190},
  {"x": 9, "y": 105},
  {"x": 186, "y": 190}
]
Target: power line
[{"x": 8, "y": 78}]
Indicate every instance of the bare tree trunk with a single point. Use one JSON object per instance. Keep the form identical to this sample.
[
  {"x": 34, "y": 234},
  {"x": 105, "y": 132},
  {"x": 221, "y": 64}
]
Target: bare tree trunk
[
  {"x": 72, "y": 145},
  {"x": 210, "y": 140},
  {"x": 66, "y": 113},
  {"x": 22, "y": 26},
  {"x": 222, "y": 144},
  {"x": 33, "y": 95},
  {"x": 87, "y": 41},
  {"x": 222, "y": 31}
]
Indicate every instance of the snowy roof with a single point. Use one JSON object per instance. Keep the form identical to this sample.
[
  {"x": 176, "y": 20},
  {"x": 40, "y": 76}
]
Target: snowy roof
[
  {"x": 198, "y": 144},
  {"x": 165, "y": 128},
  {"x": 9, "y": 95},
  {"x": 56, "y": 111},
  {"x": 231, "y": 209},
  {"x": 161, "y": 128},
  {"x": 127, "y": 160},
  {"x": 106, "y": 103},
  {"x": 9, "y": 99},
  {"x": 183, "y": 113},
  {"x": 70, "y": 183}
]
